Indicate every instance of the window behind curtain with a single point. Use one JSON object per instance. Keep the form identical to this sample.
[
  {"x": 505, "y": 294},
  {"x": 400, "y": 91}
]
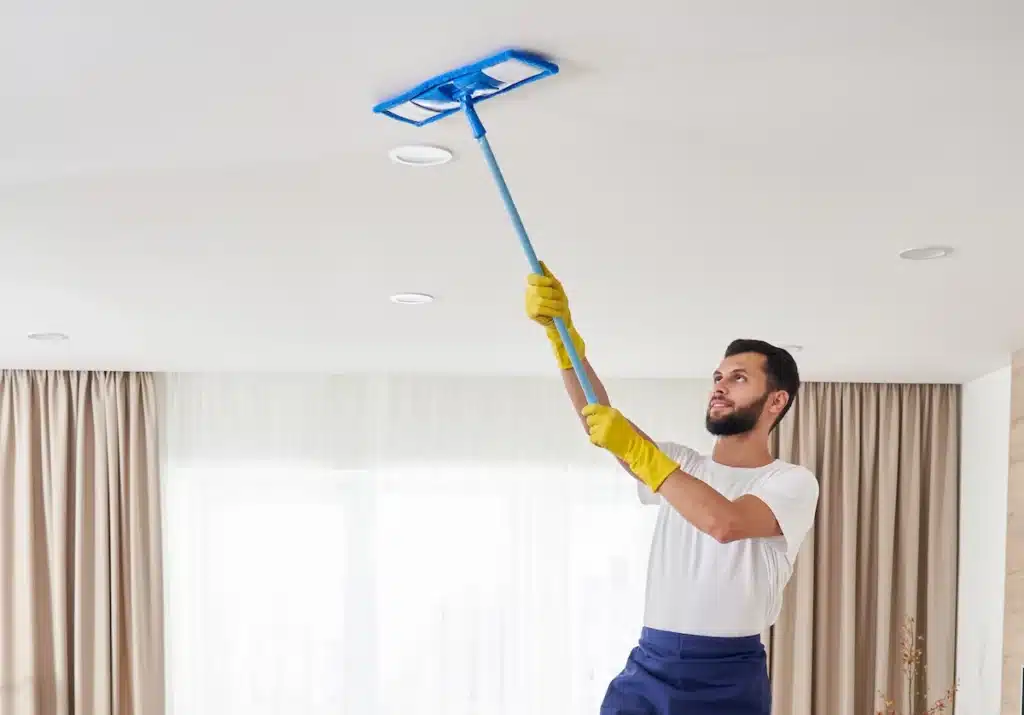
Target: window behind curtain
[{"x": 425, "y": 589}]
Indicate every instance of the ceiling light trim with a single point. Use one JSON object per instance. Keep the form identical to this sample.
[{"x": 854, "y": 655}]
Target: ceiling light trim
[
  {"x": 408, "y": 298},
  {"x": 926, "y": 253},
  {"x": 420, "y": 155}
]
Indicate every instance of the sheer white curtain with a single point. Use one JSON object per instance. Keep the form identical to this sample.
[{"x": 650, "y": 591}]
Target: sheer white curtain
[{"x": 393, "y": 544}]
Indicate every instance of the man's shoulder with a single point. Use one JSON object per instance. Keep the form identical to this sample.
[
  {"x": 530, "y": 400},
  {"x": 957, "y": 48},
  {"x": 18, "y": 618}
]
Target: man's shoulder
[
  {"x": 793, "y": 475},
  {"x": 798, "y": 469},
  {"x": 783, "y": 465}
]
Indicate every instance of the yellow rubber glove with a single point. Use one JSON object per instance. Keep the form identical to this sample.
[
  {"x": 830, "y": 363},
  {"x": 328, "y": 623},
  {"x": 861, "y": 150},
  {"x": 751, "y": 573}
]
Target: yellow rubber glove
[
  {"x": 545, "y": 301},
  {"x": 609, "y": 429}
]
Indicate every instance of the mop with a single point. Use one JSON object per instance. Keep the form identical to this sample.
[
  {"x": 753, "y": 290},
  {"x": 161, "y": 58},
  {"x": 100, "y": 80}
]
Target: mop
[{"x": 461, "y": 89}]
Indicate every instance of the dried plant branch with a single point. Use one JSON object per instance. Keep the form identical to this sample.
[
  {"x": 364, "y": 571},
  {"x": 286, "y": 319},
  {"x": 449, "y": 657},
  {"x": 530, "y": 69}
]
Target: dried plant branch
[{"x": 914, "y": 669}]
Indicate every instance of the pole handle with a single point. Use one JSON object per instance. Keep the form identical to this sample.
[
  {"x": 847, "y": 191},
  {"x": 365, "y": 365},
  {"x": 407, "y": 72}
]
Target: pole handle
[{"x": 524, "y": 240}]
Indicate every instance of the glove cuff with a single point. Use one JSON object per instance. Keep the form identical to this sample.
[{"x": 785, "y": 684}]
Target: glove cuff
[
  {"x": 561, "y": 354},
  {"x": 650, "y": 464}
]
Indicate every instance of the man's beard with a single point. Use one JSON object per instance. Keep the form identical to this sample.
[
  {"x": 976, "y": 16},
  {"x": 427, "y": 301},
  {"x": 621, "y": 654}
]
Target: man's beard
[{"x": 740, "y": 421}]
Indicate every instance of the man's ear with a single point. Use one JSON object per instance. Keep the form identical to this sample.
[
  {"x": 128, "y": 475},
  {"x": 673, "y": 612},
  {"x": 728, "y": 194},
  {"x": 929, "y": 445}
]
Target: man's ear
[{"x": 778, "y": 401}]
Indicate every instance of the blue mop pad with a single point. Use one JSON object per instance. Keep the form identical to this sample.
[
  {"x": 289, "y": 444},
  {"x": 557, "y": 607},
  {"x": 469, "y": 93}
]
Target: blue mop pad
[
  {"x": 462, "y": 89},
  {"x": 443, "y": 95}
]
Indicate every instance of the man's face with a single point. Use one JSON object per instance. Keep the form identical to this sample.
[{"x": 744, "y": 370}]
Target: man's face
[{"x": 739, "y": 395}]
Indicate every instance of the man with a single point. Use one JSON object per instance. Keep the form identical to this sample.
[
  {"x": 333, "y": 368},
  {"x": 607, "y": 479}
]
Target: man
[{"x": 729, "y": 527}]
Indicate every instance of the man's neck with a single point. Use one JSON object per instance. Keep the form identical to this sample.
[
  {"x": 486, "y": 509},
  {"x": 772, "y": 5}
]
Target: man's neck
[{"x": 743, "y": 450}]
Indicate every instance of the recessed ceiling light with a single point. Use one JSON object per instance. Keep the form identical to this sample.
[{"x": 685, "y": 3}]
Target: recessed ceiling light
[
  {"x": 48, "y": 337},
  {"x": 420, "y": 155},
  {"x": 412, "y": 298},
  {"x": 926, "y": 253}
]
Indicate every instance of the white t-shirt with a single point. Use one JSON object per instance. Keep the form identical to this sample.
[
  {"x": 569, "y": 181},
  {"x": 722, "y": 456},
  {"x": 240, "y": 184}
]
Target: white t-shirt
[{"x": 699, "y": 586}]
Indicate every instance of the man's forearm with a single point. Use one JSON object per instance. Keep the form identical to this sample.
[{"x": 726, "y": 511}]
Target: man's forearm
[
  {"x": 747, "y": 517},
  {"x": 701, "y": 505}
]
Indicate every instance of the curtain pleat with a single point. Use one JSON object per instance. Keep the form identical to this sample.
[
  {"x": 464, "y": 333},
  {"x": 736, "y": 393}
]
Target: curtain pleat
[
  {"x": 81, "y": 587},
  {"x": 884, "y": 547}
]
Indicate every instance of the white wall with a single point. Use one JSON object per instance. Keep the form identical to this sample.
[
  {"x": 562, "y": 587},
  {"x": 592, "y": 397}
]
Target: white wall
[{"x": 984, "y": 469}]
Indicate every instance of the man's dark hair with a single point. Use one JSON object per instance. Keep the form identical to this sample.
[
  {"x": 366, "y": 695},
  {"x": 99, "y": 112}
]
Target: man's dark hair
[{"x": 779, "y": 367}]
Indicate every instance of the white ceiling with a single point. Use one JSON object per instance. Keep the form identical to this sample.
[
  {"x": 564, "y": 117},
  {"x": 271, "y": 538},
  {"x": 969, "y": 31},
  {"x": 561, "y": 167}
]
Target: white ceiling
[{"x": 187, "y": 185}]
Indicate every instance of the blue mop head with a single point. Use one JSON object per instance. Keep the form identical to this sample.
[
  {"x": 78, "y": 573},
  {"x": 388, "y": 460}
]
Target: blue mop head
[{"x": 442, "y": 95}]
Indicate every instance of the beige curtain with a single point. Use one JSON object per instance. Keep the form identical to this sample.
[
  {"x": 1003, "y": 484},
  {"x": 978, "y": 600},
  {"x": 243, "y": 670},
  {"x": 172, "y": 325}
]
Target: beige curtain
[
  {"x": 81, "y": 609},
  {"x": 884, "y": 547}
]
